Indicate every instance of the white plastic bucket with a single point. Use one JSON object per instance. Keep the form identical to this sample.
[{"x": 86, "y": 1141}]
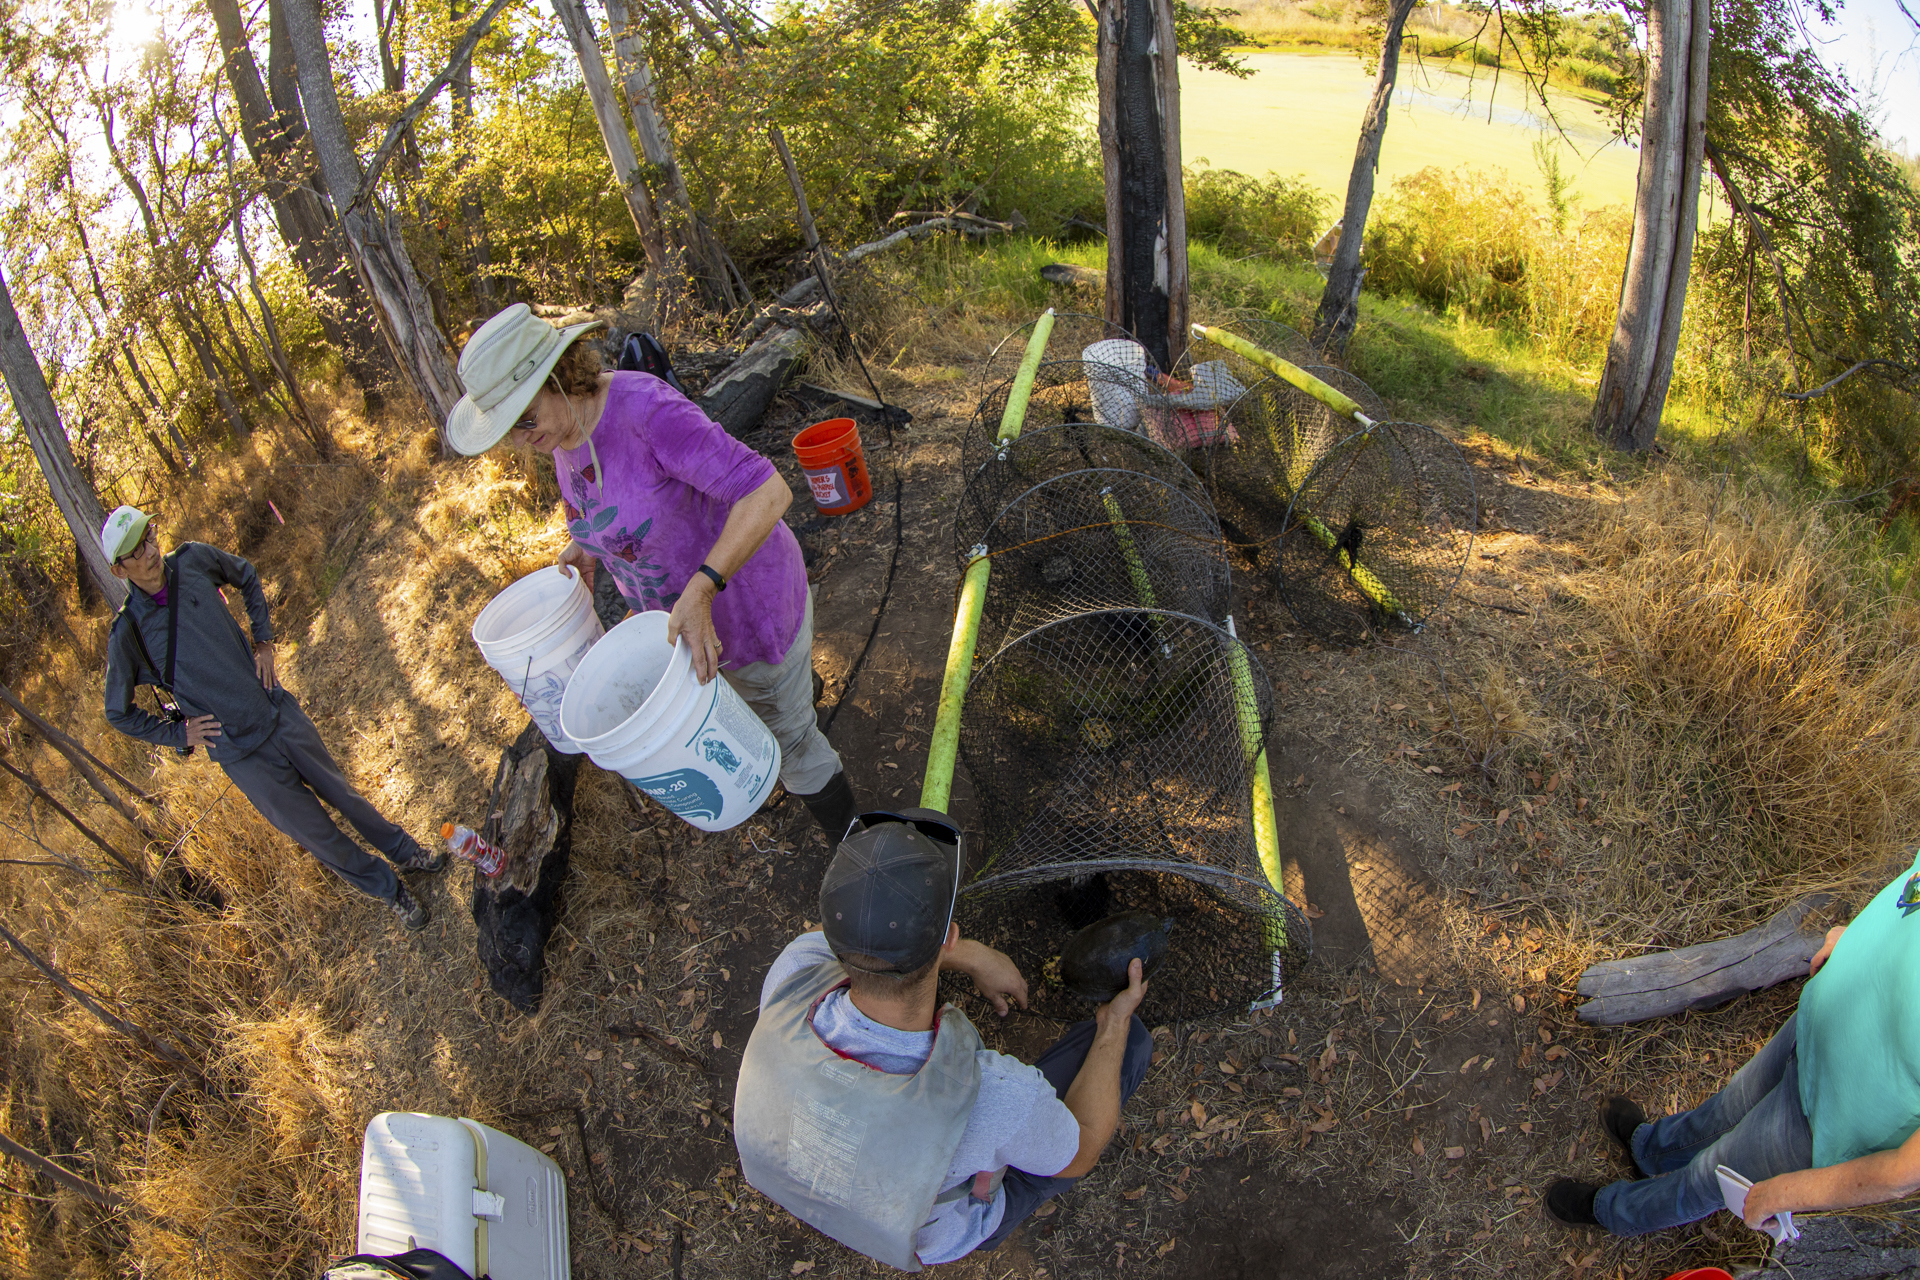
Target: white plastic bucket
[
  {"x": 534, "y": 634},
  {"x": 1116, "y": 379},
  {"x": 636, "y": 709}
]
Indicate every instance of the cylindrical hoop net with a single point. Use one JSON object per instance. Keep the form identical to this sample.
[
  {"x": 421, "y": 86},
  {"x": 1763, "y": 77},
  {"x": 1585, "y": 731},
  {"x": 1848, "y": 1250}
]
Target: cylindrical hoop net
[
  {"x": 1378, "y": 533},
  {"x": 1045, "y": 452},
  {"x": 1110, "y": 751},
  {"x": 1063, "y": 391},
  {"x": 1100, "y": 539},
  {"x": 1072, "y": 332}
]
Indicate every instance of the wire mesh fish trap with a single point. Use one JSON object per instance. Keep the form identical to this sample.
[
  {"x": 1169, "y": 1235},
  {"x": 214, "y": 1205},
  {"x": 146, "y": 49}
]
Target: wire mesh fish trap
[
  {"x": 1063, "y": 391},
  {"x": 1073, "y": 331},
  {"x": 1378, "y": 532},
  {"x": 1122, "y": 741},
  {"x": 1038, "y": 456},
  {"x": 1281, "y": 434},
  {"x": 1101, "y": 539}
]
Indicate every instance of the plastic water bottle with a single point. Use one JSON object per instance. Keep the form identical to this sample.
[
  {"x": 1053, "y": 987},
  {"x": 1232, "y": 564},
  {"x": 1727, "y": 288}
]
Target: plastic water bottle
[{"x": 464, "y": 842}]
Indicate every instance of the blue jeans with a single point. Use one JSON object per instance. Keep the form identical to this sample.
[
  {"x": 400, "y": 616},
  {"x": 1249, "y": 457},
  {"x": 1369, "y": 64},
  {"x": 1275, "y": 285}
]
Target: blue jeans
[
  {"x": 1754, "y": 1126},
  {"x": 1060, "y": 1064}
]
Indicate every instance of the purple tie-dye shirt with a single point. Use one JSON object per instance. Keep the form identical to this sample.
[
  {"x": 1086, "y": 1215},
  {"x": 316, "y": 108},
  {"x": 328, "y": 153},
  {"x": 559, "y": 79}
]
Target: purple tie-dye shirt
[{"x": 672, "y": 477}]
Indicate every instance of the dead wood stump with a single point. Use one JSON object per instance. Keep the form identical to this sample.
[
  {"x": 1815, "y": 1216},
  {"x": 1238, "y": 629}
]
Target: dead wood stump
[{"x": 513, "y": 911}]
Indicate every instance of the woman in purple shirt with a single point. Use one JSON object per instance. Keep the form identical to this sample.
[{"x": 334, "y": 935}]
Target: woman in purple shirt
[{"x": 685, "y": 517}]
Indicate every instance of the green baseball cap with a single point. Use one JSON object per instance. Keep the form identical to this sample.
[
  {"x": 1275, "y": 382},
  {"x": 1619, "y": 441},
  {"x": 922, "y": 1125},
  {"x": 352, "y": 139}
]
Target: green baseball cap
[{"x": 121, "y": 533}]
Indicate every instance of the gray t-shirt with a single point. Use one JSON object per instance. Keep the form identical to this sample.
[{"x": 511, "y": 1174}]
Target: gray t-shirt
[{"x": 1017, "y": 1119}]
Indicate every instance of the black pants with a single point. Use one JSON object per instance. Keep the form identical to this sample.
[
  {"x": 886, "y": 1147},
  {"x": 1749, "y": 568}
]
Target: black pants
[{"x": 288, "y": 776}]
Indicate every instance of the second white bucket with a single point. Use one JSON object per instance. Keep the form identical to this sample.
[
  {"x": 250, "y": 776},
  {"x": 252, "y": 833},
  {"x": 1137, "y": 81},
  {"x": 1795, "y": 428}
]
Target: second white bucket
[
  {"x": 634, "y": 706},
  {"x": 534, "y": 634}
]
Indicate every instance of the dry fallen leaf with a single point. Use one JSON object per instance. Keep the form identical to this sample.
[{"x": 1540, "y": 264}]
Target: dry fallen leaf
[
  {"x": 1526, "y": 1126},
  {"x": 716, "y": 1039},
  {"x": 1179, "y": 1196},
  {"x": 1500, "y": 819},
  {"x": 1167, "y": 1248},
  {"x": 1468, "y": 1064},
  {"x": 1450, "y": 788},
  {"x": 1454, "y": 1153},
  {"x": 594, "y": 1055},
  {"x": 800, "y": 1268},
  {"x": 1198, "y": 1112},
  {"x": 1486, "y": 1130},
  {"x": 1464, "y": 829},
  {"x": 1046, "y": 1210},
  {"x": 1519, "y": 1004},
  {"x": 1556, "y": 1052},
  {"x": 1419, "y": 1147},
  {"x": 1134, "y": 1194}
]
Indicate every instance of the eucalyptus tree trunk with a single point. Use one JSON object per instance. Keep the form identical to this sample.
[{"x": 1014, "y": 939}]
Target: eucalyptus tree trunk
[
  {"x": 372, "y": 240},
  {"x": 473, "y": 214},
  {"x": 613, "y": 130},
  {"x": 1666, "y": 210},
  {"x": 1139, "y": 85},
  {"x": 1340, "y": 300},
  {"x": 273, "y": 134},
  {"x": 33, "y": 402},
  {"x": 684, "y": 226}
]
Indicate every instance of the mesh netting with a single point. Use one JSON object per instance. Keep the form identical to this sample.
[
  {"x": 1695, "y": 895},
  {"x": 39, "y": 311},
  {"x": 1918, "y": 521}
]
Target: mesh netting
[
  {"x": 1073, "y": 331},
  {"x": 1378, "y": 532},
  {"x": 1042, "y": 454},
  {"x": 1100, "y": 540},
  {"x": 1116, "y": 741},
  {"x": 1063, "y": 391},
  {"x": 1262, "y": 331},
  {"x": 1217, "y": 956}
]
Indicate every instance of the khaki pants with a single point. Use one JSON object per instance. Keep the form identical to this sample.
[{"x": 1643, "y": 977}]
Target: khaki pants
[{"x": 781, "y": 694}]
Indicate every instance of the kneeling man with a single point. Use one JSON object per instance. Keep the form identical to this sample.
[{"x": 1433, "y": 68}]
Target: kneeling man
[{"x": 870, "y": 1111}]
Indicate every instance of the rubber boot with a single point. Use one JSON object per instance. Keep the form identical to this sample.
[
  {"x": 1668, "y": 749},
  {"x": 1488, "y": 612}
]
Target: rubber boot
[{"x": 833, "y": 807}]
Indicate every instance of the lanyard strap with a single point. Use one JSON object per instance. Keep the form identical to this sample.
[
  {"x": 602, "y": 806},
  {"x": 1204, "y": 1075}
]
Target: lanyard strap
[{"x": 173, "y": 617}]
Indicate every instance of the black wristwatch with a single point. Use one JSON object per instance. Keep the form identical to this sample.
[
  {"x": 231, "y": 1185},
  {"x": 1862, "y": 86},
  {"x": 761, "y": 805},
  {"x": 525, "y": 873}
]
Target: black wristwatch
[{"x": 719, "y": 583}]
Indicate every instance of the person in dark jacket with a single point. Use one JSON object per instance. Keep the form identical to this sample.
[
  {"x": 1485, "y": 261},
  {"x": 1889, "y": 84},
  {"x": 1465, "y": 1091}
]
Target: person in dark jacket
[{"x": 175, "y": 633}]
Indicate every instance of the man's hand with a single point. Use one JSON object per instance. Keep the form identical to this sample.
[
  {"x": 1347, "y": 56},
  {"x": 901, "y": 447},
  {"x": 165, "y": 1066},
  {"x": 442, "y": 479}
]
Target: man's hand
[
  {"x": 994, "y": 973},
  {"x": 692, "y": 617},
  {"x": 1826, "y": 949},
  {"x": 263, "y": 664},
  {"x": 581, "y": 561},
  {"x": 1119, "y": 1010},
  {"x": 202, "y": 730}
]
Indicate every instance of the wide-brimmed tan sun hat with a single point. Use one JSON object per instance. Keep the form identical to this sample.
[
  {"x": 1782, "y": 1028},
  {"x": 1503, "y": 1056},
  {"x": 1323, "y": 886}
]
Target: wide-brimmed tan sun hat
[{"x": 501, "y": 367}]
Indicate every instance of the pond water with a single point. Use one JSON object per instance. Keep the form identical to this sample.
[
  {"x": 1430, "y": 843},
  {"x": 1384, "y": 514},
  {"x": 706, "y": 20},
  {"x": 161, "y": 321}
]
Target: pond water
[{"x": 1299, "y": 113}]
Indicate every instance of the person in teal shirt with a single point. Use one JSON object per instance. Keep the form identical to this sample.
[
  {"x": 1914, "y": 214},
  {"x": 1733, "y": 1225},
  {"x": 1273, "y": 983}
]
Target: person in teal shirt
[{"x": 1826, "y": 1116}]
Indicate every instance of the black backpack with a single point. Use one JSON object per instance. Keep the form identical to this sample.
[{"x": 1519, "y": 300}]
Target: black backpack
[{"x": 642, "y": 353}]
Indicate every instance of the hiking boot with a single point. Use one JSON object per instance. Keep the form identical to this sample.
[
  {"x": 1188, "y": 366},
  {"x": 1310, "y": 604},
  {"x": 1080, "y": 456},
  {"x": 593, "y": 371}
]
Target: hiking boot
[
  {"x": 1570, "y": 1203},
  {"x": 408, "y": 910},
  {"x": 424, "y": 858},
  {"x": 1620, "y": 1116}
]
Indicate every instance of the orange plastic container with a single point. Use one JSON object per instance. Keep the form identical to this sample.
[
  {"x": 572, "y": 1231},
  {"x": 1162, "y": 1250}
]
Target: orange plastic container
[
  {"x": 836, "y": 466},
  {"x": 1701, "y": 1273}
]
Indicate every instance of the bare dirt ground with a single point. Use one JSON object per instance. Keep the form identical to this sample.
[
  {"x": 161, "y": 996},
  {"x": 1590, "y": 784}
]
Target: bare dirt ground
[{"x": 1396, "y": 1115}]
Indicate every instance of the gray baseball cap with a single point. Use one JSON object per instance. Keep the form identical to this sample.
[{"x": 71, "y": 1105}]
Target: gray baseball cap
[{"x": 890, "y": 888}]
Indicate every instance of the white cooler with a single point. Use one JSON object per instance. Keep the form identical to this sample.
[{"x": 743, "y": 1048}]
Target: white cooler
[{"x": 488, "y": 1202}]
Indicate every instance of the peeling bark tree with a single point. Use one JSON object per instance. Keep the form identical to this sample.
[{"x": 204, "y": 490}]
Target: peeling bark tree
[
  {"x": 373, "y": 241},
  {"x": 1340, "y": 300},
  {"x": 613, "y": 130},
  {"x": 273, "y": 135},
  {"x": 683, "y": 227},
  {"x": 33, "y": 401},
  {"x": 1139, "y": 85},
  {"x": 1666, "y": 206}
]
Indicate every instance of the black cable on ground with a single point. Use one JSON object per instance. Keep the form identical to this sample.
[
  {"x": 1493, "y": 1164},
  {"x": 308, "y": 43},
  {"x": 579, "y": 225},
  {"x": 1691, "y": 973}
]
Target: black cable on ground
[{"x": 886, "y": 594}]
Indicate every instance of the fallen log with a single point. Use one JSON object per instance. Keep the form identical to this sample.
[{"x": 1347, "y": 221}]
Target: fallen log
[
  {"x": 1071, "y": 273},
  {"x": 741, "y": 393},
  {"x": 1703, "y": 976}
]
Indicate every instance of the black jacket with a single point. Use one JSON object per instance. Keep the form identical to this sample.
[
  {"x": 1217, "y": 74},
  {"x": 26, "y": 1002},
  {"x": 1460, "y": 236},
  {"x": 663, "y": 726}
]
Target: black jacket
[{"x": 213, "y": 664}]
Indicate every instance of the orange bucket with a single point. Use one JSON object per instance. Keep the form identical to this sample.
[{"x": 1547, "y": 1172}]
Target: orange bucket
[
  {"x": 835, "y": 465},
  {"x": 1701, "y": 1273}
]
